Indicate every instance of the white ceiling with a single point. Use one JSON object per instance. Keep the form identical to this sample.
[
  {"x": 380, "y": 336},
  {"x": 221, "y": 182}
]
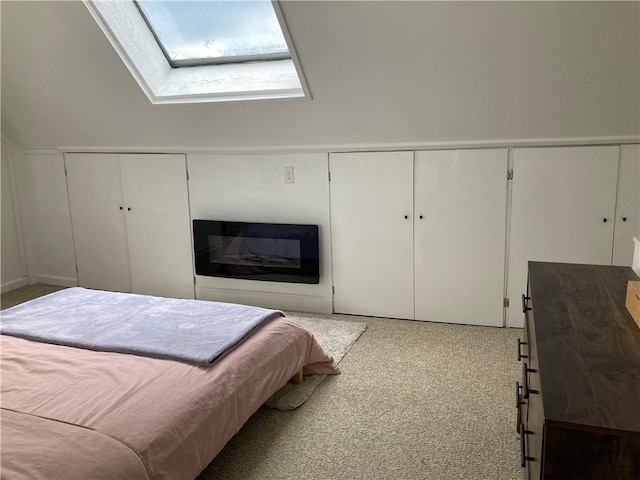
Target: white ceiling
[{"x": 381, "y": 74}]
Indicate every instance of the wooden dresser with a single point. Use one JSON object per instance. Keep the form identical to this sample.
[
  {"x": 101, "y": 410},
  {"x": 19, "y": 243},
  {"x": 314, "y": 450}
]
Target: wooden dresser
[{"x": 579, "y": 396}]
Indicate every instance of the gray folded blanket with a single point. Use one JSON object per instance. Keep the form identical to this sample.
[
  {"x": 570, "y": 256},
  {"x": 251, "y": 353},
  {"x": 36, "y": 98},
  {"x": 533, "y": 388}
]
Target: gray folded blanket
[{"x": 192, "y": 331}]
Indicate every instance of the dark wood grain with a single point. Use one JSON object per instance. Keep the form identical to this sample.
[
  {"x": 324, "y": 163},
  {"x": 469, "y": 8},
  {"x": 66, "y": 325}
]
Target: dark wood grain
[
  {"x": 588, "y": 345},
  {"x": 573, "y": 454},
  {"x": 584, "y": 422}
]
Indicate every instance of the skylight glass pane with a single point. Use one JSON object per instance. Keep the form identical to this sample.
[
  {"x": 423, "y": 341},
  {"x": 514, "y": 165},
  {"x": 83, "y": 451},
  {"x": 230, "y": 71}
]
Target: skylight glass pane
[{"x": 208, "y": 32}]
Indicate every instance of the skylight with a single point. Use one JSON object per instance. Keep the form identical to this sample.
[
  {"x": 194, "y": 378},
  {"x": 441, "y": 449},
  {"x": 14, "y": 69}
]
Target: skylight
[
  {"x": 194, "y": 33},
  {"x": 195, "y": 51}
]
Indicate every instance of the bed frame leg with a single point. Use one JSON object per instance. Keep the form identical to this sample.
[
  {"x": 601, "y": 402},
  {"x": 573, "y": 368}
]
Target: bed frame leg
[{"x": 298, "y": 378}]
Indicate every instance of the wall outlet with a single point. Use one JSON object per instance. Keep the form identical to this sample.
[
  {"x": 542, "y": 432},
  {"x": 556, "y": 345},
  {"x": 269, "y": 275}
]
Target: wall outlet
[{"x": 288, "y": 174}]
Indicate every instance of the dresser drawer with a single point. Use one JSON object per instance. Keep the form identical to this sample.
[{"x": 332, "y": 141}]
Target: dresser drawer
[{"x": 530, "y": 405}]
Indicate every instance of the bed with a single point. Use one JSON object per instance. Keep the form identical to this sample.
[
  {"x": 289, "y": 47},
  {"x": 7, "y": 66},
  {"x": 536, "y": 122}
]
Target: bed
[{"x": 78, "y": 413}]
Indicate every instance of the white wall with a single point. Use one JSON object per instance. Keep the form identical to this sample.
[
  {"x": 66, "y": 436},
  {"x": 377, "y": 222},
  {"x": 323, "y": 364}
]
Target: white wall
[
  {"x": 13, "y": 263},
  {"x": 250, "y": 188},
  {"x": 47, "y": 221},
  {"x": 381, "y": 73}
]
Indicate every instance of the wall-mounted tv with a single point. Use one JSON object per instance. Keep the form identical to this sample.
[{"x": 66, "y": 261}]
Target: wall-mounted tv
[{"x": 274, "y": 252}]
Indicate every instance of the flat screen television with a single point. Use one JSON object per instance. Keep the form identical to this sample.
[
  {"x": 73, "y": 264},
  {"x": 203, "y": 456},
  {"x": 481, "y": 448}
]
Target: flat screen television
[{"x": 274, "y": 252}]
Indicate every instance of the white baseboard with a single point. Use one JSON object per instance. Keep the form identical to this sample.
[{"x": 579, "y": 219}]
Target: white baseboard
[
  {"x": 13, "y": 284},
  {"x": 53, "y": 280},
  {"x": 279, "y": 301}
]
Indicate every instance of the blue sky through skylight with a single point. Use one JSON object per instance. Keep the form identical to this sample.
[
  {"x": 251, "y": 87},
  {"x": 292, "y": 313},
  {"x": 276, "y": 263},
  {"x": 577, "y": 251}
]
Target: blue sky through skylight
[{"x": 205, "y": 32}]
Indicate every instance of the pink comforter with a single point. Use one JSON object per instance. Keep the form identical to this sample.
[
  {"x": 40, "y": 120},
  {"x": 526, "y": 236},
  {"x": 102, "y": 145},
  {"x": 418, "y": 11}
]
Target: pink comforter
[{"x": 69, "y": 413}]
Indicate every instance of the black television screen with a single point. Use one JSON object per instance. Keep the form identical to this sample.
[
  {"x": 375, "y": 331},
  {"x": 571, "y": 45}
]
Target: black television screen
[{"x": 275, "y": 252}]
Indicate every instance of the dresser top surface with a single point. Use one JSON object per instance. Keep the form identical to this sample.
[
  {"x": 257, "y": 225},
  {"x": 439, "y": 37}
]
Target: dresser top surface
[{"x": 588, "y": 345}]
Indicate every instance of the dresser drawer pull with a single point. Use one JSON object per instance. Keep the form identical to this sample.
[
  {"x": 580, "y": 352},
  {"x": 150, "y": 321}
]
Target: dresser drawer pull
[
  {"x": 520, "y": 355},
  {"x": 525, "y": 307},
  {"x": 519, "y": 400},
  {"x": 519, "y": 403},
  {"x": 523, "y": 454},
  {"x": 525, "y": 380}
]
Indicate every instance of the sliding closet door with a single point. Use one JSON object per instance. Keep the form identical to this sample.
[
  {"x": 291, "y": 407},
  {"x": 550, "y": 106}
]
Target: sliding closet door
[
  {"x": 460, "y": 216},
  {"x": 372, "y": 233}
]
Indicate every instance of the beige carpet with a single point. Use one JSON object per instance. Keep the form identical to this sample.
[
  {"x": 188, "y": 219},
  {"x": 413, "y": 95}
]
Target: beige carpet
[
  {"x": 23, "y": 294},
  {"x": 416, "y": 400}
]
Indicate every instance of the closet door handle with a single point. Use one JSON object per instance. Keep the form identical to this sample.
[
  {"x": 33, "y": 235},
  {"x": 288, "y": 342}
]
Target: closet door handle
[
  {"x": 406, "y": 216},
  {"x": 121, "y": 207},
  {"x": 604, "y": 220},
  {"x": 624, "y": 219}
]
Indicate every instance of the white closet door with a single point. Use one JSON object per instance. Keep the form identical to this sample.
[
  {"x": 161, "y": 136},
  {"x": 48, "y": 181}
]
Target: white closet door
[
  {"x": 563, "y": 207},
  {"x": 460, "y": 216},
  {"x": 627, "y": 224},
  {"x": 372, "y": 233},
  {"x": 158, "y": 224},
  {"x": 97, "y": 218}
]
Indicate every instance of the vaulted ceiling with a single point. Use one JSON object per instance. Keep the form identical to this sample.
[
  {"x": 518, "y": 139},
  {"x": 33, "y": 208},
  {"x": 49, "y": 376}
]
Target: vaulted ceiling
[{"x": 381, "y": 74}]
